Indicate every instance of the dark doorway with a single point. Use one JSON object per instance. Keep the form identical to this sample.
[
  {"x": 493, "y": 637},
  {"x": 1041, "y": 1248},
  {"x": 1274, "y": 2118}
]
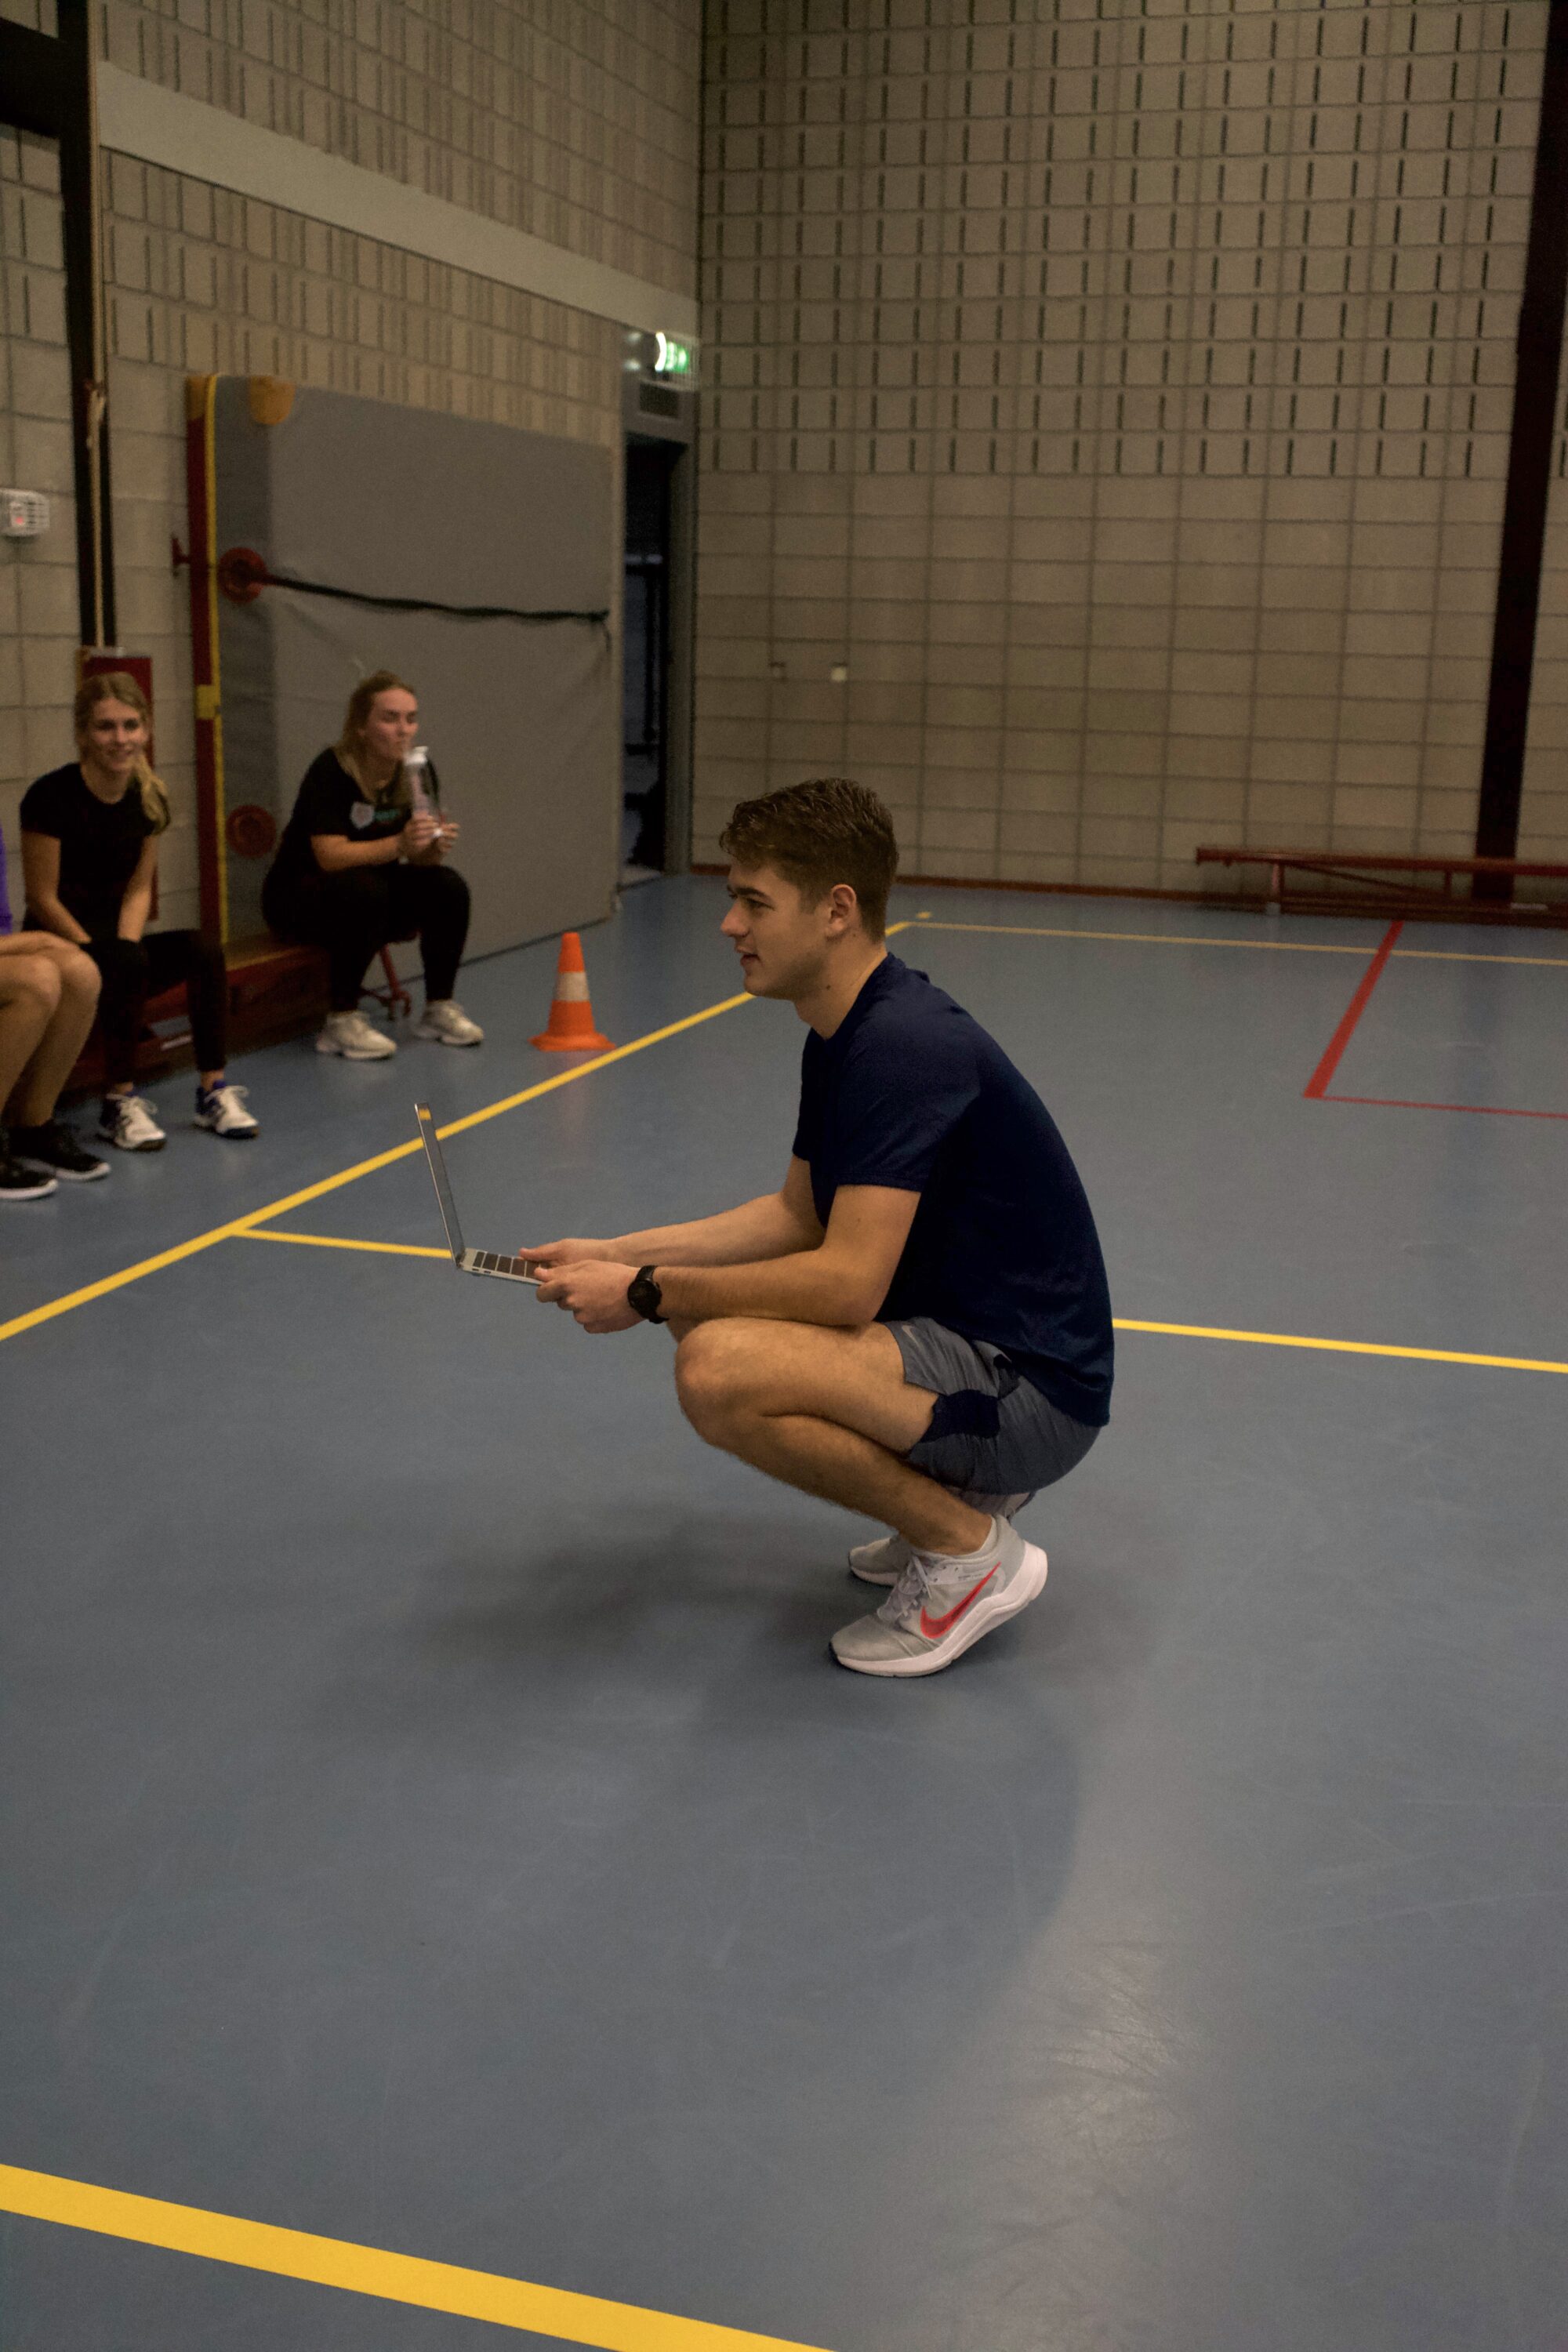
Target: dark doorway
[{"x": 645, "y": 639}]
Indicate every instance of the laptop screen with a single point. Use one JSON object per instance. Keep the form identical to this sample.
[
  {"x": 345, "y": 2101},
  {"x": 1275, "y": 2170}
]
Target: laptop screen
[{"x": 448, "y": 1207}]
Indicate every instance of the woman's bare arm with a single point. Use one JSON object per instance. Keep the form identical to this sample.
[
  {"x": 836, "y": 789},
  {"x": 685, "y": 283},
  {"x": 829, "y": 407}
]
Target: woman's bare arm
[
  {"x": 420, "y": 841},
  {"x": 137, "y": 904},
  {"x": 41, "y": 876}
]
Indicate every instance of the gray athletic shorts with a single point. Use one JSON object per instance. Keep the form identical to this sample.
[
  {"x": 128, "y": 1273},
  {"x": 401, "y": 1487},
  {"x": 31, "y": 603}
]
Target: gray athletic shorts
[{"x": 991, "y": 1431}]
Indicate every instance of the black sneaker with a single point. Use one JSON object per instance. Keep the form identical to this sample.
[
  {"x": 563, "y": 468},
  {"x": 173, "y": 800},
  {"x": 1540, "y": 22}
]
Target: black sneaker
[
  {"x": 53, "y": 1150},
  {"x": 19, "y": 1183}
]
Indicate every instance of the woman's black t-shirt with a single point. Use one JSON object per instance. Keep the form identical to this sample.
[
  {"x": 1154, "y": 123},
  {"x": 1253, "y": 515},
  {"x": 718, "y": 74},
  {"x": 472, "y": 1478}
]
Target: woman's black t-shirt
[
  {"x": 101, "y": 844},
  {"x": 331, "y": 800}
]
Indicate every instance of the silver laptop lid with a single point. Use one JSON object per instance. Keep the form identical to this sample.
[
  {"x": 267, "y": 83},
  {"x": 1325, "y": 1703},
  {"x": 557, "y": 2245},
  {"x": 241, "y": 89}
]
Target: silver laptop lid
[{"x": 445, "y": 1201}]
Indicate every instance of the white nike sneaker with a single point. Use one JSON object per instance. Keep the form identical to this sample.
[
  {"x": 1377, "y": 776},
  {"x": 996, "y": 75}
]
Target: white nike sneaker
[
  {"x": 884, "y": 1561},
  {"x": 355, "y": 1037},
  {"x": 942, "y": 1604},
  {"x": 445, "y": 1023}
]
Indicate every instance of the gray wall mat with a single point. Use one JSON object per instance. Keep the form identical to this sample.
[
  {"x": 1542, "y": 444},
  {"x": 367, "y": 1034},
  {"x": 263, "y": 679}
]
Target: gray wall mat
[{"x": 523, "y": 722}]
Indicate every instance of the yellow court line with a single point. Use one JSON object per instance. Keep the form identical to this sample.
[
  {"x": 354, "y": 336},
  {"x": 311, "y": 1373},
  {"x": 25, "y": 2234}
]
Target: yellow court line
[
  {"x": 1145, "y": 938},
  {"x": 370, "y": 2270},
  {"x": 1463, "y": 955},
  {"x": 1282, "y": 947},
  {"x": 1344, "y": 1347},
  {"x": 255, "y": 1217},
  {"x": 330, "y": 1241},
  {"x": 1171, "y": 1330}
]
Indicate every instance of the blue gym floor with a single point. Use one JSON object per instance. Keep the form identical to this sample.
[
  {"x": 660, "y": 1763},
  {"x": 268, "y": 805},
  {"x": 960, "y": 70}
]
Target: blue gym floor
[{"x": 433, "y": 1825}]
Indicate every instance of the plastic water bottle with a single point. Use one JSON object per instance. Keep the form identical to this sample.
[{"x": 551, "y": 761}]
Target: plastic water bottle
[{"x": 416, "y": 772}]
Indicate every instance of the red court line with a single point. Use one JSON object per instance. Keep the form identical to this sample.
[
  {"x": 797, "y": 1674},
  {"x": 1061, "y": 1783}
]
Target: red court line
[
  {"x": 1483, "y": 1110},
  {"x": 1316, "y": 1086}
]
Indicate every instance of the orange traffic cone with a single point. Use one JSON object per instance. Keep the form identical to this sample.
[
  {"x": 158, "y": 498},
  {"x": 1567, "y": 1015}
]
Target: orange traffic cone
[{"x": 571, "y": 1029}]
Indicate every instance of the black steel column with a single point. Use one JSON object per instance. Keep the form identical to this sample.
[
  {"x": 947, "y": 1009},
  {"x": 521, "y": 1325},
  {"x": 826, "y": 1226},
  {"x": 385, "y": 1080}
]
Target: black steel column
[
  {"x": 46, "y": 86},
  {"x": 1540, "y": 354},
  {"x": 82, "y": 212}
]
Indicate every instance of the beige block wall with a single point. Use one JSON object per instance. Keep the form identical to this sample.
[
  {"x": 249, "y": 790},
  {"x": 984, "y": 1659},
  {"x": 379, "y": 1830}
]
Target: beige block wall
[
  {"x": 1122, "y": 402},
  {"x": 201, "y": 281},
  {"x": 577, "y": 122}
]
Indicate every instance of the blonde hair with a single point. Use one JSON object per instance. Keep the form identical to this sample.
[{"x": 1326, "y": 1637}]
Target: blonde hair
[
  {"x": 118, "y": 686},
  {"x": 349, "y": 745}
]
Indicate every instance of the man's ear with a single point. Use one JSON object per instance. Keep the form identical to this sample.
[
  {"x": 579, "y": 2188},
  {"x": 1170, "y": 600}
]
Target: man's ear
[{"x": 843, "y": 909}]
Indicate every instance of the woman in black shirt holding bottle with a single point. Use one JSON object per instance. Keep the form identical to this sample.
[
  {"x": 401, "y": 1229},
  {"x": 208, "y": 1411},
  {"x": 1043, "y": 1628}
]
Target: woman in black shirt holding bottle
[{"x": 362, "y": 863}]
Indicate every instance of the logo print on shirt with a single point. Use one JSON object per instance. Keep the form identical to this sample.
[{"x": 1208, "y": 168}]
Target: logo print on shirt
[{"x": 934, "y": 1627}]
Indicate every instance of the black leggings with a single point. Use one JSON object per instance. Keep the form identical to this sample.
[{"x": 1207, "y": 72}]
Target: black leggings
[
  {"x": 353, "y": 913},
  {"x": 134, "y": 970}
]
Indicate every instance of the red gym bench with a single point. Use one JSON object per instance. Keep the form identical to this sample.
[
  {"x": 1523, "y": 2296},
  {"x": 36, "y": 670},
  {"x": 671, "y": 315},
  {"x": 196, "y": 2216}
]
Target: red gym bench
[
  {"x": 275, "y": 989},
  {"x": 1408, "y": 898}
]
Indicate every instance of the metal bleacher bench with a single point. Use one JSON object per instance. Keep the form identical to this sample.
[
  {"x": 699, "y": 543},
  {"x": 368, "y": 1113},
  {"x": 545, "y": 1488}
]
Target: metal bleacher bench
[{"x": 1409, "y": 896}]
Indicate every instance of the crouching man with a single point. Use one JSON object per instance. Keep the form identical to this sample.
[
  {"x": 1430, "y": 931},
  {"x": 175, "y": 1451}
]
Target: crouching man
[{"x": 916, "y": 1325}]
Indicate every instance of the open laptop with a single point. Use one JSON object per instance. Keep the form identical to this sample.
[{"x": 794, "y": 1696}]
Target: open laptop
[{"x": 467, "y": 1261}]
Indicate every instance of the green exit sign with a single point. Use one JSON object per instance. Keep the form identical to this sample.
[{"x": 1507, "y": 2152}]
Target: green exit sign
[{"x": 671, "y": 358}]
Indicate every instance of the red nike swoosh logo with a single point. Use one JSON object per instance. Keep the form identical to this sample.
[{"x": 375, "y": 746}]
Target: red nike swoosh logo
[{"x": 934, "y": 1627}]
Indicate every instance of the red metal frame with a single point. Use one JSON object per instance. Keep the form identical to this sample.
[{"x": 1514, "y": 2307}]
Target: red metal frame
[{"x": 200, "y": 396}]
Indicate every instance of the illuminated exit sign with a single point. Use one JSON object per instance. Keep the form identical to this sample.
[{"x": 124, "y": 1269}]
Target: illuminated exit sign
[{"x": 664, "y": 359}]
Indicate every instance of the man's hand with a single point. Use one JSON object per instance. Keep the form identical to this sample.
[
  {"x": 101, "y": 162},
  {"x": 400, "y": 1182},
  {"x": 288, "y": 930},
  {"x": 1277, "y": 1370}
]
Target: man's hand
[
  {"x": 572, "y": 1253},
  {"x": 593, "y": 1290}
]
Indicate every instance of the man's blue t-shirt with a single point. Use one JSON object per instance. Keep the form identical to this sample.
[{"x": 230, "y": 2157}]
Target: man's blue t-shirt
[{"x": 909, "y": 1092}]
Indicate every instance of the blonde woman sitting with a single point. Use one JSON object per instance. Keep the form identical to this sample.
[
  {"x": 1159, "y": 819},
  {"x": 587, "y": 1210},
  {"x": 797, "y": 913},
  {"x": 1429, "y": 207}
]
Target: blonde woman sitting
[
  {"x": 360, "y": 866},
  {"x": 90, "y": 856}
]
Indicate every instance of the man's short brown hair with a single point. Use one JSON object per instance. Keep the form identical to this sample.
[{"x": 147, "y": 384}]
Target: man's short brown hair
[{"x": 819, "y": 833}]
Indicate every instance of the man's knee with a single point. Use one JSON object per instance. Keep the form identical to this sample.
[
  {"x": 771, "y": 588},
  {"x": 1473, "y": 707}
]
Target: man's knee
[{"x": 713, "y": 1368}]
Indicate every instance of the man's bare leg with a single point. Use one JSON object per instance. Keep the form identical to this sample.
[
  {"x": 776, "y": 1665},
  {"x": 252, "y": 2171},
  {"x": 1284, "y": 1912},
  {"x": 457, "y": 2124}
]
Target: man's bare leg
[{"x": 827, "y": 1411}]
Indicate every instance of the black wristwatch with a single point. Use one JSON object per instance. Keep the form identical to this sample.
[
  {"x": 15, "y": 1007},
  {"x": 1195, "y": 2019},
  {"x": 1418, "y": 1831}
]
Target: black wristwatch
[{"x": 644, "y": 1293}]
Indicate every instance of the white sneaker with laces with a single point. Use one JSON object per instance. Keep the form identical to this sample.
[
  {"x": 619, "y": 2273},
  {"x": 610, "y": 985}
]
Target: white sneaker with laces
[
  {"x": 222, "y": 1110},
  {"x": 445, "y": 1023},
  {"x": 885, "y": 1560},
  {"x": 942, "y": 1604},
  {"x": 355, "y": 1037},
  {"x": 127, "y": 1122}
]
